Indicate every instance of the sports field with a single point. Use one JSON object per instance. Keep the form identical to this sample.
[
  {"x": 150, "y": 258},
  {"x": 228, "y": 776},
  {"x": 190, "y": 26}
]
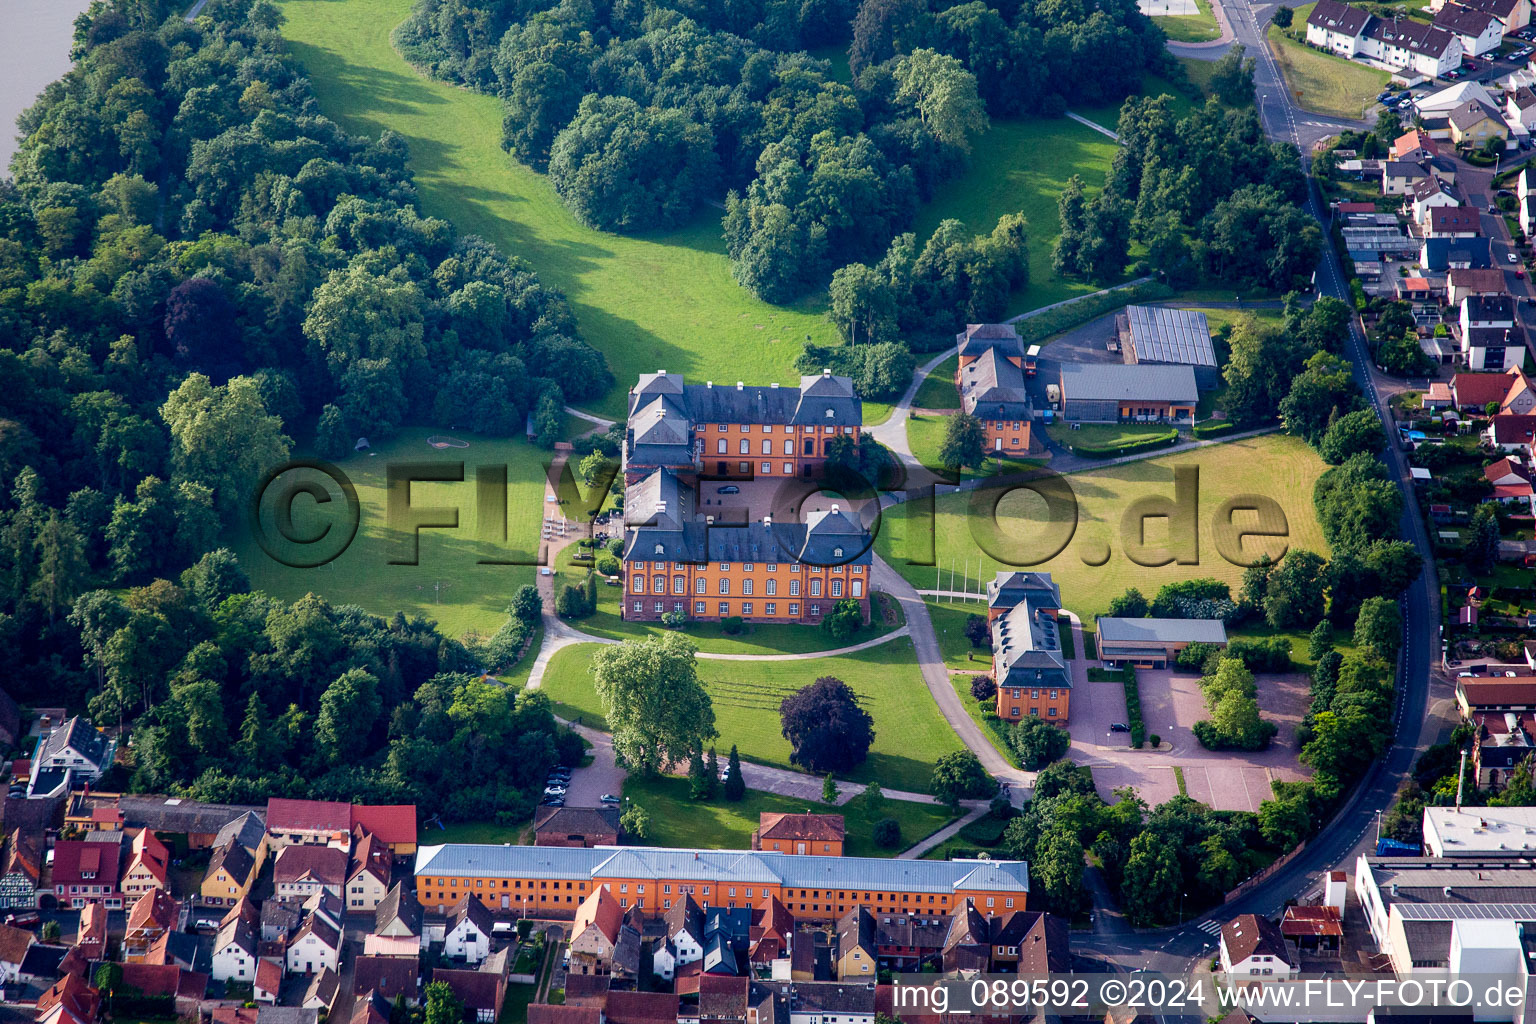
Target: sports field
[
  {"x": 447, "y": 584},
  {"x": 910, "y": 734},
  {"x": 1275, "y": 466},
  {"x": 657, "y": 300}
]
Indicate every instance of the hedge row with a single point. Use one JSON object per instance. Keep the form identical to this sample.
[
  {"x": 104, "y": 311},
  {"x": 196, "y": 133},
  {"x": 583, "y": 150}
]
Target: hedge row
[
  {"x": 1107, "y": 451},
  {"x": 1215, "y": 429},
  {"x": 1035, "y": 329},
  {"x": 1133, "y": 709}
]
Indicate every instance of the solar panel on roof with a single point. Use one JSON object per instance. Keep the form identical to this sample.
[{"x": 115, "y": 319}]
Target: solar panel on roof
[
  {"x": 1161, "y": 335},
  {"x": 1466, "y": 911}
]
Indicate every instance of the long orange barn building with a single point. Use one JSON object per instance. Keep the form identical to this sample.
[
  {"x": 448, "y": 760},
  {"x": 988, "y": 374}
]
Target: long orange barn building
[{"x": 548, "y": 881}]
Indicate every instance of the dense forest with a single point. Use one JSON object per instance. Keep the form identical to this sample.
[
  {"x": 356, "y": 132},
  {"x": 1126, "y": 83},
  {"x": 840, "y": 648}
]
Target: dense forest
[
  {"x": 196, "y": 268},
  {"x": 642, "y": 111}
]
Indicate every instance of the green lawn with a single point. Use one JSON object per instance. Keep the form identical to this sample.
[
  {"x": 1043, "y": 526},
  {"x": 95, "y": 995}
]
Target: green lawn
[
  {"x": 949, "y": 625},
  {"x": 982, "y": 834},
  {"x": 925, "y": 434},
  {"x": 938, "y": 388},
  {"x": 448, "y": 584},
  {"x": 651, "y": 301},
  {"x": 1189, "y": 28},
  {"x": 719, "y": 824},
  {"x": 1103, "y": 433},
  {"x": 472, "y": 832},
  {"x": 1108, "y": 115},
  {"x": 1275, "y": 466},
  {"x": 1320, "y": 81},
  {"x": 991, "y": 726},
  {"x": 1199, "y": 72},
  {"x": 910, "y": 734},
  {"x": 755, "y": 638},
  {"x": 1021, "y": 167}
]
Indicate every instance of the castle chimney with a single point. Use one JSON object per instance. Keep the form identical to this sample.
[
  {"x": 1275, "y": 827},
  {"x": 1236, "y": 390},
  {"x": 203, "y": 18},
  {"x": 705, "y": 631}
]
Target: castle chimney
[
  {"x": 709, "y": 383},
  {"x": 740, "y": 385}
]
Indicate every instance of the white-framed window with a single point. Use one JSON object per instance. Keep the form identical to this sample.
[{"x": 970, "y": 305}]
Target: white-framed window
[
  {"x": 815, "y": 588},
  {"x": 725, "y": 584},
  {"x": 837, "y": 588},
  {"x": 720, "y": 448},
  {"x": 638, "y": 582},
  {"x": 725, "y": 608},
  {"x": 794, "y": 607},
  {"x": 794, "y": 588},
  {"x": 770, "y": 608},
  {"x": 789, "y": 447},
  {"x": 698, "y": 607},
  {"x": 746, "y": 607},
  {"x": 637, "y": 605},
  {"x": 767, "y": 447},
  {"x": 658, "y": 584},
  {"x": 679, "y": 585},
  {"x": 746, "y": 586},
  {"x": 701, "y": 586},
  {"x": 746, "y": 447},
  {"x": 789, "y": 468},
  {"x": 858, "y": 588},
  {"x": 767, "y": 468},
  {"x": 773, "y": 588},
  {"x": 725, "y": 566}
]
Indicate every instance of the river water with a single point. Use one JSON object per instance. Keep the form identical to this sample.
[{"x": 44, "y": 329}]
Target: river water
[{"x": 34, "y": 50}]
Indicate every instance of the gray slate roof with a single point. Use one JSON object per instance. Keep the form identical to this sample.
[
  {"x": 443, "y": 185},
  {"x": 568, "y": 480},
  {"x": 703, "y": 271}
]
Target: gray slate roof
[
  {"x": 992, "y": 388},
  {"x": 79, "y": 734},
  {"x": 828, "y": 537},
  {"x": 979, "y": 338},
  {"x": 1110, "y": 382},
  {"x": 1160, "y": 631}
]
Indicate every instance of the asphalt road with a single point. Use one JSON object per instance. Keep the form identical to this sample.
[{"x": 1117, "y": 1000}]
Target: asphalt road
[{"x": 1352, "y": 830}]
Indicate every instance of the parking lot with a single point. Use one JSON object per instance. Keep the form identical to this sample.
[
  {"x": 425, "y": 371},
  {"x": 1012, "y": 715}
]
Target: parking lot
[{"x": 1171, "y": 703}]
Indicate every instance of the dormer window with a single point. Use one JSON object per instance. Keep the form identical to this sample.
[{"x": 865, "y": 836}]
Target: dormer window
[
  {"x": 837, "y": 552},
  {"x": 661, "y": 549}
]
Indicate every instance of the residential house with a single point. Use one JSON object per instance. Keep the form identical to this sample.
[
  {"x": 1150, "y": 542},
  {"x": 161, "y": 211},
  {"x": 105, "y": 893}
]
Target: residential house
[
  {"x": 1515, "y": 14},
  {"x": 799, "y": 833},
  {"x": 308, "y": 822},
  {"x": 269, "y": 982},
  {"x": 1153, "y": 643},
  {"x": 390, "y": 976},
  {"x": 640, "y": 1008},
  {"x": 323, "y": 989},
  {"x": 595, "y": 933},
  {"x": 549, "y": 1013},
  {"x": 1353, "y": 32},
  {"x": 908, "y": 942},
  {"x": 234, "y": 951},
  {"x": 772, "y": 931},
  {"x": 1483, "y": 281},
  {"x": 249, "y": 830},
  {"x": 1511, "y": 482},
  {"x": 370, "y": 1008},
  {"x": 683, "y": 941},
  {"x": 1475, "y": 122},
  {"x": 278, "y": 920},
  {"x": 1428, "y": 192},
  {"x": 1520, "y": 107},
  {"x": 87, "y": 870},
  {"x": 1253, "y": 945},
  {"x": 857, "y": 946},
  {"x": 1474, "y": 392},
  {"x": 153, "y": 914},
  {"x": 179, "y": 949},
  {"x": 316, "y": 946},
  {"x": 1027, "y": 663},
  {"x": 1030, "y": 942},
  {"x": 186, "y": 989},
  {"x": 1479, "y": 31},
  {"x": 91, "y": 934},
  {"x": 1452, "y": 254},
  {"x": 394, "y": 825},
  {"x": 723, "y": 999},
  {"x": 368, "y": 876},
  {"x": 43, "y": 963},
  {"x": 1488, "y": 337},
  {"x": 1512, "y": 434},
  {"x": 1399, "y": 176},
  {"x": 968, "y": 942},
  {"x": 72, "y": 754},
  {"x": 197, "y": 824},
  {"x": 231, "y": 873},
  {"x": 576, "y": 826},
  {"x": 302, "y": 870},
  {"x": 1414, "y": 146},
  {"x": 812, "y": 1002},
  {"x": 21, "y": 871},
  {"x": 71, "y": 1000},
  {"x": 482, "y": 992},
  {"x": 1452, "y": 222},
  {"x": 587, "y": 990},
  {"x": 148, "y": 866},
  {"x": 467, "y": 936},
  {"x": 14, "y": 943},
  {"x": 398, "y": 915}
]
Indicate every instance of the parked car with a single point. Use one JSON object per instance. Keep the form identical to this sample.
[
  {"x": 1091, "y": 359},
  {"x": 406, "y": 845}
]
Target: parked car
[
  {"x": 730, "y": 489},
  {"x": 608, "y": 798},
  {"x": 1119, "y": 727},
  {"x": 1511, "y": 257},
  {"x": 1386, "y": 94}
]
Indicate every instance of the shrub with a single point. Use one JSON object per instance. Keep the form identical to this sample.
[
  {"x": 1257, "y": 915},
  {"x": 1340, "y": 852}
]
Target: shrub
[
  {"x": 1204, "y": 430},
  {"x": 1262, "y": 654},
  {"x": 887, "y": 833},
  {"x": 616, "y": 546},
  {"x": 1155, "y": 740},
  {"x": 1133, "y": 709},
  {"x": 1108, "y": 451},
  {"x": 1194, "y": 655},
  {"x": 608, "y": 565},
  {"x": 978, "y": 631},
  {"x": 674, "y": 619},
  {"x": 732, "y": 624},
  {"x": 571, "y": 603},
  {"x": 983, "y": 688},
  {"x": 1038, "y": 742}
]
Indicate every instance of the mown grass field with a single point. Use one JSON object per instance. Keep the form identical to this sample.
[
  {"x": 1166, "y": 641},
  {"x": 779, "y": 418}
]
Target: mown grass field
[
  {"x": 938, "y": 388},
  {"x": 948, "y": 619},
  {"x": 1275, "y": 466},
  {"x": 718, "y": 824},
  {"x": 1320, "y": 81},
  {"x": 664, "y": 299},
  {"x": 1190, "y": 28},
  {"x": 1102, "y": 433},
  {"x": 991, "y": 726},
  {"x": 910, "y": 734},
  {"x": 447, "y": 584}
]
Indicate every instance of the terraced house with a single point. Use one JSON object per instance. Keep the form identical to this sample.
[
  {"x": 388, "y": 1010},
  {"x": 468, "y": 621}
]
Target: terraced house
[
  {"x": 557, "y": 880},
  {"x": 728, "y": 558}
]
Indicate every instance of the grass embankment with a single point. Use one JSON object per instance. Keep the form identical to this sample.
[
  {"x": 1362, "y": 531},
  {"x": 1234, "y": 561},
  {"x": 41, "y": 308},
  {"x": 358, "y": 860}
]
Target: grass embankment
[
  {"x": 910, "y": 734},
  {"x": 448, "y": 583},
  {"x": 718, "y": 824},
  {"x": 1199, "y": 27},
  {"x": 1279, "y": 467},
  {"x": 1320, "y": 81}
]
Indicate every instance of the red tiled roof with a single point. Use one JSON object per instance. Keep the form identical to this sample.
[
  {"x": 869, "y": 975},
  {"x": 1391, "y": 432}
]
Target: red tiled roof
[
  {"x": 78, "y": 999},
  {"x": 1408, "y": 142},
  {"x": 1478, "y": 389},
  {"x": 164, "y": 980},
  {"x": 1357, "y": 207},
  {"x": 324, "y": 864},
  {"x": 14, "y": 943},
  {"x": 641, "y": 1008},
  {"x": 1509, "y": 428},
  {"x": 155, "y": 909},
  {"x": 74, "y": 858},
  {"x": 601, "y": 911},
  {"x": 392, "y": 823},
  {"x": 308, "y": 815},
  {"x": 818, "y": 828},
  {"x": 546, "y": 1013},
  {"x": 1301, "y": 921},
  {"x": 269, "y": 976}
]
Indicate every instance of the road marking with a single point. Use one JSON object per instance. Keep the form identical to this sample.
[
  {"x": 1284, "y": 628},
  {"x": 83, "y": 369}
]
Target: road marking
[{"x": 1210, "y": 927}]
